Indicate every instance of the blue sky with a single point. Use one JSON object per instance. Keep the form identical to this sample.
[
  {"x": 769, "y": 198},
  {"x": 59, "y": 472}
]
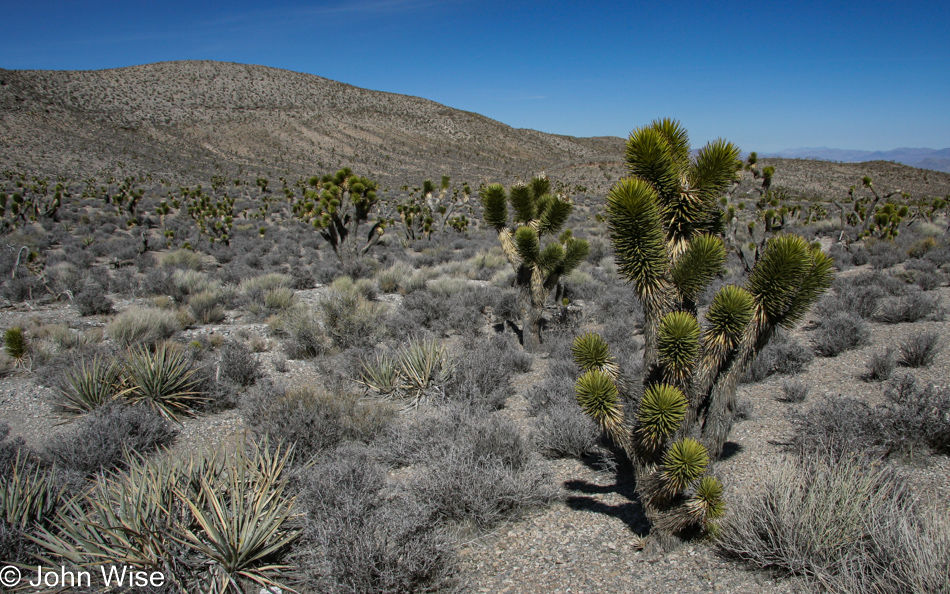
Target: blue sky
[{"x": 768, "y": 76}]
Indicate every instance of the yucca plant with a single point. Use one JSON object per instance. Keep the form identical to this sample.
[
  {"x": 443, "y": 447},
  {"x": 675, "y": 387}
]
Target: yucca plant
[
  {"x": 16, "y": 345},
  {"x": 666, "y": 226},
  {"x": 536, "y": 214},
  {"x": 163, "y": 379},
  {"x": 28, "y": 494},
  {"x": 88, "y": 386},
  {"x": 416, "y": 373},
  {"x": 206, "y": 522}
]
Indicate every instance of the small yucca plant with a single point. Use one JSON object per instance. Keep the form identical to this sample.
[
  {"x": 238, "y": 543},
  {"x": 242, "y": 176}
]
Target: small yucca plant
[
  {"x": 88, "y": 386},
  {"x": 28, "y": 495},
  {"x": 163, "y": 379},
  {"x": 16, "y": 345}
]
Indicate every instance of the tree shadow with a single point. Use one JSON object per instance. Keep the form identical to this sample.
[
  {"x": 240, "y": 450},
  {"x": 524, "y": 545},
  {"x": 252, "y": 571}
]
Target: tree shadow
[
  {"x": 730, "y": 449},
  {"x": 629, "y": 510}
]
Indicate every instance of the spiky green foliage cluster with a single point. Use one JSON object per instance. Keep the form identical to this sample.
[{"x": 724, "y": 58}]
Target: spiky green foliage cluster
[
  {"x": 666, "y": 227},
  {"x": 336, "y": 205},
  {"x": 415, "y": 374},
  {"x": 208, "y": 523},
  {"x": 163, "y": 378},
  {"x": 536, "y": 214},
  {"x": 15, "y": 344}
]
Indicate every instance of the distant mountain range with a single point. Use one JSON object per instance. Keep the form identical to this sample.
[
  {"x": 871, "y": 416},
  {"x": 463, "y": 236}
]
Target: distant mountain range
[{"x": 923, "y": 158}]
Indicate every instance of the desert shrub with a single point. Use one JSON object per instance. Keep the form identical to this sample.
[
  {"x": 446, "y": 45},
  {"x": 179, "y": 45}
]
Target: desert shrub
[
  {"x": 913, "y": 306},
  {"x": 920, "y": 247},
  {"x": 841, "y": 427},
  {"x": 487, "y": 474},
  {"x": 483, "y": 370},
  {"x": 886, "y": 254},
  {"x": 206, "y": 306},
  {"x": 182, "y": 284},
  {"x": 65, "y": 277},
  {"x": 394, "y": 278},
  {"x": 919, "y": 415},
  {"x": 794, "y": 390},
  {"x": 267, "y": 294},
  {"x": 22, "y": 288},
  {"x": 182, "y": 259},
  {"x": 839, "y": 332},
  {"x": 305, "y": 337},
  {"x": 880, "y": 365},
  {"x": 563, "y": 430},
  {"x": 238, "y": 365},
  {"x": 784, "y": 354},
  {"x": 845, "y": 527},
  {"x": 102, "y": 438},
  {"x": 350, "y": 320},
  {"x": 842, "y": 256},
  {"x": 919, "y": 349},
  {"x": 142, "y": 325},
  {"x": 359, "y": 541},
  {"x": 312, "y": 418}
]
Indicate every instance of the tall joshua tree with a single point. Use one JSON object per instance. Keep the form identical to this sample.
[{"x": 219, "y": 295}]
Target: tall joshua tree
[
  {"x": 536, "y": 213},
  {"x": 666, "y": 229}
]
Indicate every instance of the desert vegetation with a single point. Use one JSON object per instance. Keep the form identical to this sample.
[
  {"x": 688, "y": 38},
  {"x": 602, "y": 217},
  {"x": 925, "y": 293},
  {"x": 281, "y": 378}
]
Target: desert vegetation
[{"x": 325, "y": 384}]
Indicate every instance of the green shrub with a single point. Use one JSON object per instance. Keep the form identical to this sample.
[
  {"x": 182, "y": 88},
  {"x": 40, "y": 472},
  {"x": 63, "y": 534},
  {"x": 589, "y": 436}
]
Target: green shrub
[{"x": 349, "y": 319}]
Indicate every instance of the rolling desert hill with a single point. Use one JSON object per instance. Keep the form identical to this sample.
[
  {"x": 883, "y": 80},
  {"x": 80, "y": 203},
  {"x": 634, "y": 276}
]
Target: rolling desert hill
[{"x": 186, "y": 121}]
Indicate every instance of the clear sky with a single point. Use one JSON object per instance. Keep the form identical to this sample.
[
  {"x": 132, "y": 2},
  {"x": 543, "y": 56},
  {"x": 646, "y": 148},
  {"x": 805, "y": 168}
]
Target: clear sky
[{"x": 856, "y": 75}]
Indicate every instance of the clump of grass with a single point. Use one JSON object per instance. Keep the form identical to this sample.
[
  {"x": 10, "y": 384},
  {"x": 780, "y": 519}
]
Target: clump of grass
[
  {"x": 880, "y": 365},
  {"x": 143, "y": 325},
  {"x": 911, "y": 307},
  {"x": 919, "y": 349},
  {"x": 185, "y": 259},
  {"x": 206, "y": 306},
  {"x": 834, "y": 523}
]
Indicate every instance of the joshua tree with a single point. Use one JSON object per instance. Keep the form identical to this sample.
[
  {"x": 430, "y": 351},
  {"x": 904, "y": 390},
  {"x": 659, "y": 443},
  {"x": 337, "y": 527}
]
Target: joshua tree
[
  {"x": 336, "y": 205},
  {"x": 665, "y": 226},
  {"x": 536, "y": 214}
]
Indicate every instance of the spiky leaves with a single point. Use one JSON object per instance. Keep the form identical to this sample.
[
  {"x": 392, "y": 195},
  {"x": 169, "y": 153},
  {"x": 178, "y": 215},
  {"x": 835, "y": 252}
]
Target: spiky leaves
[
  {"x": 715, "y": 168},
  {"x": 728, "y": 316},
  {"x": 591, "y": 352},
  {"x": 662, "y": 409},
  {"x": 706, "y": 503},
  {"x": 678, "y": 346},
  {"x": 88, "y": 386},
  {"x": 553, "y": 214},
  {"x": 789, "y": 278},
  {"x": 683, "y": 463},
  {"x": 495, "y": 206},
  {"x": 700, "y": 262},
  {"x": 524, "y": 204},
  {"x": 659, "y": 154},
  {"x": 527, "y": 245},
  {"x": 598, "y": 396},
  {"x": 636, "y": 232},
  {"x": 164, "y": 380}
]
